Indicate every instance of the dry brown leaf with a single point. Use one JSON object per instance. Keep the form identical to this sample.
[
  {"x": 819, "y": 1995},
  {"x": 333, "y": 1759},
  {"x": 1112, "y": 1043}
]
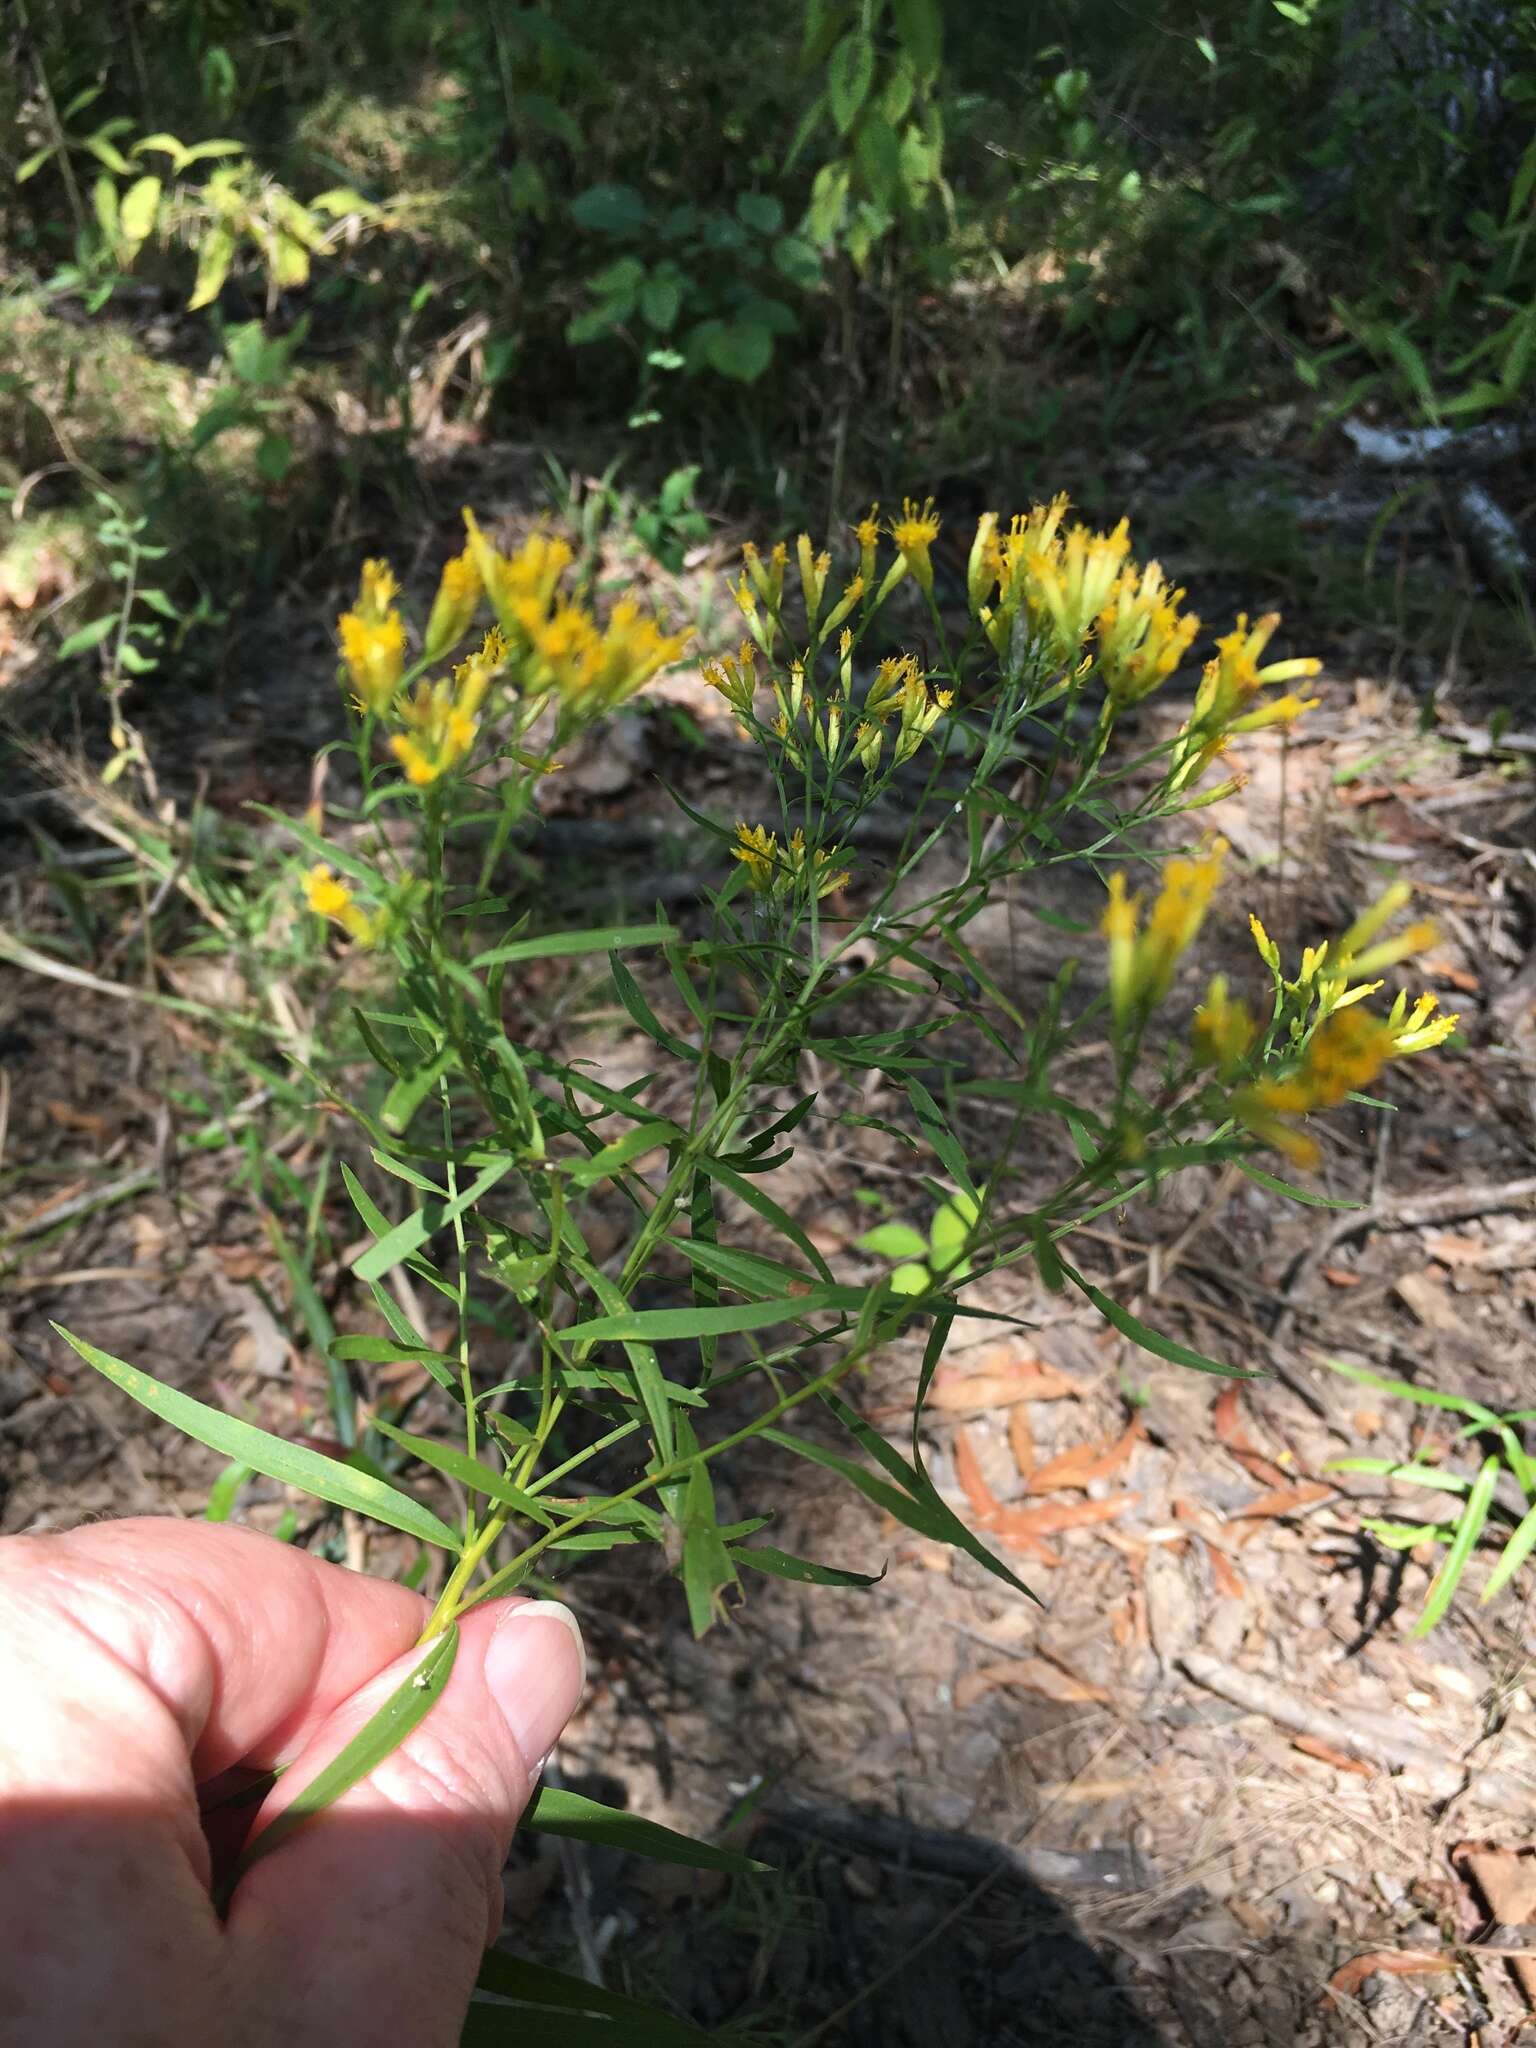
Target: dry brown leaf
[
  {"x": 1341, "y": 1276},
  {"x": 1313, "y": 1745},
  {"x": 1456, "y": 1251},
  {"x": 1367, "y": 1422},
  {"x": 1231, "y": 1431},
  {"x": 1506, "y": 1880},
  {"x": 998, "y": 1383},
  {"x": 1030, "y": 1674},
  {"x": 1015, "y": 1525},
  {"x": 1076, "y": 1469},
  {"x": 1021, "y": 1440},
  {"x": 1285, "y": 1500},
  {"x": 1395, "y": 1962},
  {"x": 984, "y": 1502},
  {"x": 1446, "y": 970},
  {"x": 1223, "y": 1577}
]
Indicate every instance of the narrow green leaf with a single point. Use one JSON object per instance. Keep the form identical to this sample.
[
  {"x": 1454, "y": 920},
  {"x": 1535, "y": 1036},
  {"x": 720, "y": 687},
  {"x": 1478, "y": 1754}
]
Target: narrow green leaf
[
  {"x": 405, "y": 1709},
  {"x": 940, "y": 1136},
  {"x": 1309, "y": 1196},
  {"x": 533, "y": 1984},
  {"x": 468, "y": 1472},
  {"x": 646, "y": 1137},
  {"x": 1417, "y": 1475},
  {"x": 631, "y": 995},
  {"x": 1426, "y": 1397},
  {"x": 763, "y": 1558},
  {"x": 1407, "y": 1535},
  {"x": 765, "y": 1206},
  {"x": 1516, "y": 1551},
  {"x": 1468, "y": 1529},
  {"x": 1150, "y": 1339},
  {"x": 653, "y": 1325},
  {"x": 563, "y": 945},
  {"x": 291, "y": 1464},
  {"x": 224, "y": 1492},
  {"x": 587, "y": 1820},
  {"x": 415, "y": 1229}
]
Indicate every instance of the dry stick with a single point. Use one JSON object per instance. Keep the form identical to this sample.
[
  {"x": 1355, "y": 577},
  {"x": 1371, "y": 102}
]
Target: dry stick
[
  {"x": 1374, "y": 1740},
  {"x": 1405, "y": 1212}
]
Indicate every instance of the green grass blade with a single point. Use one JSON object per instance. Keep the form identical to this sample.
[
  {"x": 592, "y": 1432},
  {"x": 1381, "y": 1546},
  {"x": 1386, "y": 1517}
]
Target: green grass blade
[
  {"x": 535, "y": 1984},
  {"x": 1426, "y": 1397},
  {"x": 407, "y": 1706},
  {"x": 291, "y": 1464},
  {"x": 1516, "y": 1551},
  {"x": 1468, "y": 1529}
]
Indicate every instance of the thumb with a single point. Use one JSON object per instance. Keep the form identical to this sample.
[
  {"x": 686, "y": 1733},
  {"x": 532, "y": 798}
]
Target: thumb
[{"x": 368, "y": 1923}]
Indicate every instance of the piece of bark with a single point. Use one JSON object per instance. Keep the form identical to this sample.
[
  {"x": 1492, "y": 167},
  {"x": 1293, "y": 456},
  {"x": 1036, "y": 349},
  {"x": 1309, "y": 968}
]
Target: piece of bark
[{"x": 1505, "y": 1879}]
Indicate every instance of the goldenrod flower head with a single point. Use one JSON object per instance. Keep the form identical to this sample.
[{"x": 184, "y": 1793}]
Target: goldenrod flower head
[
  {"x": 868, "y": 739},
  {"x": 814, "y": 570},
  {"x": 377, "y": 592},
  {"x": 453, "y": 608},
  {"x": 1418, "y": 1030},
  {"x": 1142, "y": 962},
  {"x": 1141, "y": 636},
  {"x": 984, "y": 567},
  {"x": 914, "y": 534},
  {"x": 1224, "y": 702},
  {"x": 821, "y": 867},
  {"x": 735, "y": 677},
  {"x": 867, "y": 534},
  {"x": 896, "y": 678},
  {"x": 758, "y": 851},
  {"x": 327, "y": 897},
  {"x": 373, "y": 652},
  {"x": 1269, "y": 952},
  {"x": 1223, "y": 1030},
  {"x": 592, "y": 669},
  {"x": 521, "y": 586},
  {"x": 1356, "y": 954},
  {"x": 852, "y": 592},
  {"x": 1068, "y": 583}
]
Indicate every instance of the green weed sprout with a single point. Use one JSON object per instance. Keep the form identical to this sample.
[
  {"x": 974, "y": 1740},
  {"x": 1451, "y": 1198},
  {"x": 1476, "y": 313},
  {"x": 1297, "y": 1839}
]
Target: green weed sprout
[{"x": 1500, "y": 1436}]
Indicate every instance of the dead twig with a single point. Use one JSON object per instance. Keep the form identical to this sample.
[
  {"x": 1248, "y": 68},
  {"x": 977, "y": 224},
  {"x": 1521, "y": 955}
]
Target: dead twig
[{"x": 1376, "y": 1740}]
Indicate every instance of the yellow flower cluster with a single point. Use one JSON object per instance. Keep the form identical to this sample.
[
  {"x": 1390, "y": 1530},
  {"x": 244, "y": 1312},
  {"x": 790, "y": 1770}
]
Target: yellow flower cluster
[
  {"x": 773, "y": 870},
  {"x": 735, "y": 677},
  {"x": 901, "y": 691},
  {"x": 1348, "y": 1046},
  {"x": 1140, "y": 635},
  {"x": 443, "y": 717},
  {"x": 329, "y": 898},
  {"x": 1224, "y": 1030},
  {"x": 1226, "y": 701},
  {"x": 548, "y": 646},
  {"x": 763, "y": 585},
  {"x": 1142, "y": 962},
  {"x": 372, "y": 637}
]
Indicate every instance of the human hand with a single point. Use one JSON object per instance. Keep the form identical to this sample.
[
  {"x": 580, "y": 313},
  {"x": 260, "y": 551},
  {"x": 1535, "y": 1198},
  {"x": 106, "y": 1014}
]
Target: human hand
[{"x": 142, "y": 1659}]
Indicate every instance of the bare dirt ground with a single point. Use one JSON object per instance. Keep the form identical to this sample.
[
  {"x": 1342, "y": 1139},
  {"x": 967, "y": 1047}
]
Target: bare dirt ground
[{"x": 1209, "y": 1790}]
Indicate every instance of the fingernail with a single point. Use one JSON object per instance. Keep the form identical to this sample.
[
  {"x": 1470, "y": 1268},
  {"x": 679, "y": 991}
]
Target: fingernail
[{"x": 536, "y": 1674}]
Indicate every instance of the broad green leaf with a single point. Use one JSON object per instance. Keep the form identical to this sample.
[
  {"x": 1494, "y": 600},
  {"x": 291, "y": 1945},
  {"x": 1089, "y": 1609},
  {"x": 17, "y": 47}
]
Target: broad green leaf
[
  {"x": 894, "y": 1241},
  {"x": 291, "y": 1464},
  {"x": 1516, "y": 1551},
  {"x": 849, "y": 74},
  {"x": 86, "y": 637},
  {"x": 587, "y": 1820},
  {"x": 564, "y": 945},
  {"x": 405, "y": 1709},
  {"x": 1150, "y": 1339},
  {"x": 139, "y": 210},
  {"x": 920, "y": 25},
  {"x": 1468, "y": 1529}
]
